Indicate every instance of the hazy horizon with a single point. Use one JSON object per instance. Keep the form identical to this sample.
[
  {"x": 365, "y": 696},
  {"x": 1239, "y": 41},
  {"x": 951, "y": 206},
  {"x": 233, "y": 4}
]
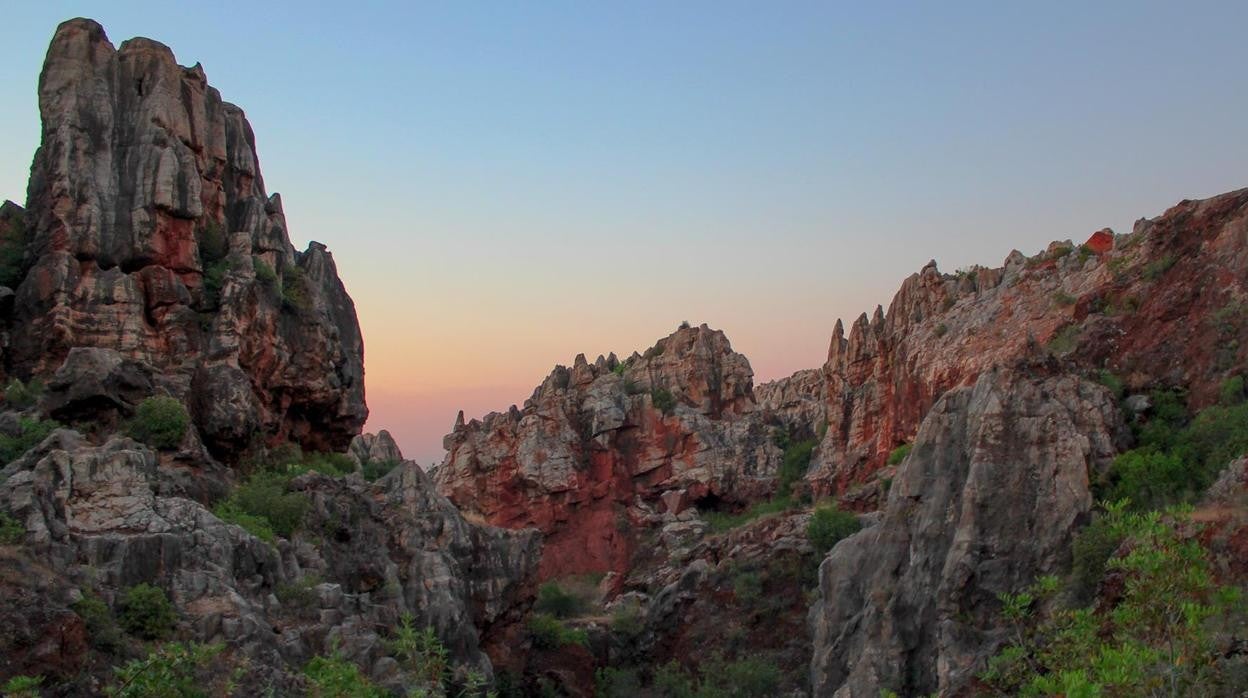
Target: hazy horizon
[{"x": 504, "y": 187}]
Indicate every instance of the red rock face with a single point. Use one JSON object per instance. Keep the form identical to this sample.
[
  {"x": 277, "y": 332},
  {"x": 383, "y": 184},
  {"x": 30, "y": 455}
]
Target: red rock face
[
  {"x": 150, "y": 227},
  {"x": 1102, "y": 241},
  {"x": 590, "y": 461},
  {"x": 591, "y": 458},
  {"x": 1146, "y": 307}
]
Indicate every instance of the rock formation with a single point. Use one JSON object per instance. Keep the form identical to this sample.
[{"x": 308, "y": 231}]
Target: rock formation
[
  {"x": 151, "y": 262},
  {"x": 95, "y": 519},
  {"x": 601, "y": 447},
  {"x": 151, "y": 235},
  {"x": 1111, "y": 304},
  {"x": 988, "y": 499}
]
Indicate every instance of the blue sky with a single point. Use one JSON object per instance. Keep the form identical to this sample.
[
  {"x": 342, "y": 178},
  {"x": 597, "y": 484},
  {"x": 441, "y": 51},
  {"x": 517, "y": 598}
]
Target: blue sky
[{"x": 505, "y": 185}]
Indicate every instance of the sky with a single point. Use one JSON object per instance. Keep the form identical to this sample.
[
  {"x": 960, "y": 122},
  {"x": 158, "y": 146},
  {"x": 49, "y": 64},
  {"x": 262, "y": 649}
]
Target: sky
[{"x": 505, "y": 185}]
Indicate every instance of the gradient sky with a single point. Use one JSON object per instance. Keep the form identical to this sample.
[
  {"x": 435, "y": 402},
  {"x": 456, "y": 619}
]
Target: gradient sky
[{"x": 504, "y": 185}]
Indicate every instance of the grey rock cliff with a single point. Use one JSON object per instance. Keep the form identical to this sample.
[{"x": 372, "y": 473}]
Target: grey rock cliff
[
  {"x": 988, "y": 499},
  {"x": 151, "y": 235}
]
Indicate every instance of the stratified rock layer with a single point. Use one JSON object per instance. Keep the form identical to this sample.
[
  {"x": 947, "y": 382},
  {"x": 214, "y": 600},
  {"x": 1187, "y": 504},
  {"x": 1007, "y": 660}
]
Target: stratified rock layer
[
  {"x": 987, "y": 500},
  {"x": 152, "y": 236}
]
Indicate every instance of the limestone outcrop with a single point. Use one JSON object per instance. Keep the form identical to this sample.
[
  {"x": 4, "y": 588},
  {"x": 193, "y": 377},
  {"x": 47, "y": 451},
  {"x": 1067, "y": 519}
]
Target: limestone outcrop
[
  {"x": 96, "y": 522},
  {"x": 1164, "y": 305},
  {"x": 601, "y": 446},
  {"x": 150, "y": 234},
  {"x": 988, "y": 499}
]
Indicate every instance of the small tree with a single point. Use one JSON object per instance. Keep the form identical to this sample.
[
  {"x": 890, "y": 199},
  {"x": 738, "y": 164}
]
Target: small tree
[
  {"x": 828, "y": 525},
  {"x": 147, "y": 613},
  {"x": 1157, "y": 640},
  {"x": 160, "y": 422},
  {"x": 419, "y": 651}
]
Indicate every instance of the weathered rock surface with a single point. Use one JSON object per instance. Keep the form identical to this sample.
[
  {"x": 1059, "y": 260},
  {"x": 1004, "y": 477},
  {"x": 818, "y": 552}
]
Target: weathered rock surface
[
  {"x": 379, "y": 447},
  {"x": 1165, "y": 305},
  {"x": 591, "y": 452},
  {"x": 987, "y": 500},
  {"x": 152, "y": 236},
  {"x": 94, "y": 518}
]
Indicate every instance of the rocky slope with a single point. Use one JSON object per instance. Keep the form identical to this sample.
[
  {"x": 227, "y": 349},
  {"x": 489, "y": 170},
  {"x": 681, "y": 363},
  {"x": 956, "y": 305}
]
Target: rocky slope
[
  {"x": 989, "y": 374},
  {"x": 96, "y": 523},
  {"x": 1161, "y": 306},
  {"x": 152, "y": 237},
  {"x": 148, "y": 263}
]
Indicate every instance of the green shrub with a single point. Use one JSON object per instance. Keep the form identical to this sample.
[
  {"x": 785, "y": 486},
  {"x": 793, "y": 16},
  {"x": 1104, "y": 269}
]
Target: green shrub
[
  {"x": 672, "y": 681},
  {"x": 663, "y": 400},
  {"x": 22, "y": 686},
  {"x": 627, "y": 622},
  {"x": 263, "y": 503},
  {"x": 264, "y": 273},
  {"x": 1159, "y": 266},
  {"x": 295, "y": 292},
  {"x": 942, "y": 329},
  {"x": 11, "y": 530},
  {"x": 331, "y": 464},
  {"x": 102, "y": 629},
  {"x": 1093, "y": 546},
  {"x": 214, "y": 245},
  {"x": 620, "y": 368},
  {"x": 1166, "y": 418},
  {"x": 32, "y": 432},
  {"x": 899, "y": 454},
  {"x": 1065, "y": 340},
  {"x": 828, "y": 525},
  {"x": 374, "y": 470},
  {"x": 747, "y": 586},
  {"x": 616, "y": 682},
  {"x": 1176, "y": 463},
  {"x": 1157, "y": 639},
  {"x": 419, "y": 651},
  {"x": 299, "y": 595},
  {"x": 553, "y": 600},
  {"x": 753, "y": 677},
  {"x": 548, "y": 632},
  {"x": 160, "y": 422},
  {"x": 1149, "y": 478},
  {"x": 147, "y": 613},
  {"x": 335, "y": 677},
  {"x": 1232, "y": 391},
  {"x": 1063, "y": 298},
  {"x": 794, "y": 465},
  {"x": 1106, "y": 378},
  {"x": 23, "y": 395},
  {"x": 214, "y": 281},
  {"x": 723, "y": 521},
  {"x": 256, "y": 525}
]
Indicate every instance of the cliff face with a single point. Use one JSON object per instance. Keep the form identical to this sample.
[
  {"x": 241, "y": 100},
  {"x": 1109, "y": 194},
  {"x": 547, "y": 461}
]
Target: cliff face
[
  {"x": 987, "y": 500},
  {"x": 152, "y": 237},
  {"x": 985, "y": 372},
  {"x": 150, "y": 261},
  {"x": 1163, "y": 305},
  {"x": 602, "y": 448}
]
